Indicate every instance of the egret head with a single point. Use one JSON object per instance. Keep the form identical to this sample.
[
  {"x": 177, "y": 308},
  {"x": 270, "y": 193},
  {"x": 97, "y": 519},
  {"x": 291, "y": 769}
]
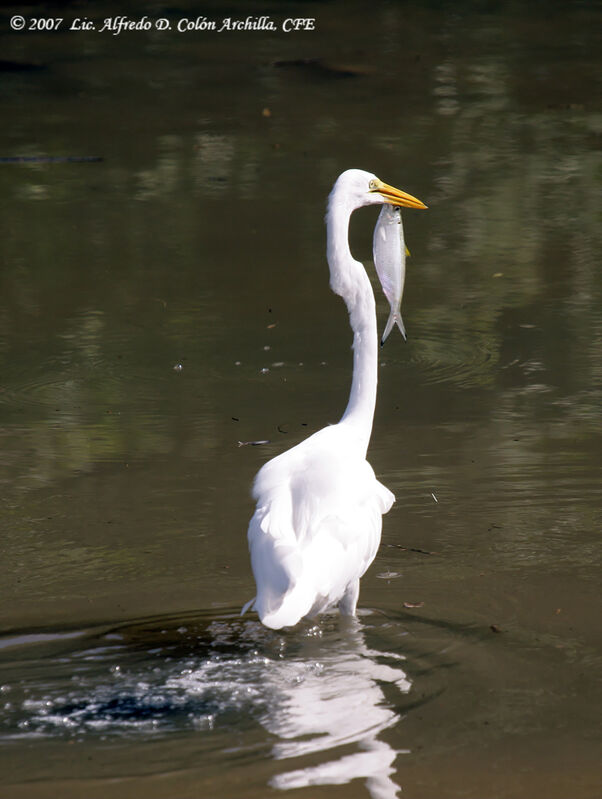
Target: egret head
[{"x": 357, "y": 188}]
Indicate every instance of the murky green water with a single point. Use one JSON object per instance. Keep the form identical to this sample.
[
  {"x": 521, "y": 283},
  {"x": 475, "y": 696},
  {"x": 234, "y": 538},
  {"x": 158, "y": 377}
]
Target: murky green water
[{"x": 198, "y": 242}]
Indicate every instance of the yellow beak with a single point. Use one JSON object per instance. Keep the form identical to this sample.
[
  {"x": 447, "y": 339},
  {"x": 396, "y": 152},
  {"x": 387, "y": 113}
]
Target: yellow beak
[{"x": 395, "y": 196}]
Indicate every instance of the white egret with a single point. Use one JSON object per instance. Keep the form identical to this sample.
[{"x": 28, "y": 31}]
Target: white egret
[{"x": 317, "y": 523}]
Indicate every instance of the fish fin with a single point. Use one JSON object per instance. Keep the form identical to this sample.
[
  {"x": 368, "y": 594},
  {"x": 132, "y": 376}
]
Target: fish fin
[
  {"x": 394, "y": 319},
  {"x": 388, "y": 327}
]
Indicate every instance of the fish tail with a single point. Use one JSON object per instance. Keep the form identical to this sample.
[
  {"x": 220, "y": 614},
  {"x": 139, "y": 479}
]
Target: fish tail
[
  {"x": 401, "y": 326},
  {"x": 394, "y": 319}
]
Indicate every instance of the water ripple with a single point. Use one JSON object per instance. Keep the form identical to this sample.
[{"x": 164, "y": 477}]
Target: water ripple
[{"x": 296, "y": 692}]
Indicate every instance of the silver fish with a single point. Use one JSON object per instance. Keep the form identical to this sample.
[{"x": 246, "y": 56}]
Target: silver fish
[{"x": 389, "y": 251}]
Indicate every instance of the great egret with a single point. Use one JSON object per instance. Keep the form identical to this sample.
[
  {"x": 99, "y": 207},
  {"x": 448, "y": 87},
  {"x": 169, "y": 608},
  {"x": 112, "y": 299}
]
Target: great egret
[{"x": 317, "y": 523}]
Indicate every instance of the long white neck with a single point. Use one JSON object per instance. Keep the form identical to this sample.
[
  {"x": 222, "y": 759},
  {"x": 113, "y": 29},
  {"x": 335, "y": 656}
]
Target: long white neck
[{"x": 349, "y": 279}]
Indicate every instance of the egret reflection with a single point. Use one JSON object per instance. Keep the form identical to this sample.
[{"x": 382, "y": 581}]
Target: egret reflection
[
  {"x": 327, "y": 697},
  {"x": 333, "y": 702}
]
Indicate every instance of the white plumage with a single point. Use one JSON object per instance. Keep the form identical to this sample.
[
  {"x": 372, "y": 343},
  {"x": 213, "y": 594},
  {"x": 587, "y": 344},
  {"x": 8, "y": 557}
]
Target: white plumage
[{"x": 317, "y": 524}]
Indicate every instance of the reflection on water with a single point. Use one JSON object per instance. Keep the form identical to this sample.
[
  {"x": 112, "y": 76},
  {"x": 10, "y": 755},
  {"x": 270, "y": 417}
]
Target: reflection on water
[
  {"x": 318, "y": 692},
  {"x": 334, "y": 703}
]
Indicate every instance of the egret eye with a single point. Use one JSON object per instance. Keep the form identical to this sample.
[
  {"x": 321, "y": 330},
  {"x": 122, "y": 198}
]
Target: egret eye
[{"x": 372, "y": 185}]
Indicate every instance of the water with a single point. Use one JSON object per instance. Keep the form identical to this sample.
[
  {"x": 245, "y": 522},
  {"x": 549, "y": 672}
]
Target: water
[{"x": 170, "y": 301}]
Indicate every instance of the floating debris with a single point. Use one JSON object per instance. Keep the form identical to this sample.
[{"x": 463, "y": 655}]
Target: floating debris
[
  {"x": 434, "y": 497},
  {"x": 411, "y": 605},
  {"x": 253, "y": 443},
  {"x": 178, "y": 367},
  {"x": 411, "y": 549}
]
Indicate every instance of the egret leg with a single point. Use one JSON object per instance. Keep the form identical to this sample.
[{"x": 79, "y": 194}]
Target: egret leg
[{"x": 348, "y": 603}]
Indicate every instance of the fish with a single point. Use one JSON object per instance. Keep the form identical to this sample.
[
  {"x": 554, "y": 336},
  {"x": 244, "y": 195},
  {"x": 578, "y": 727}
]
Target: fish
[{"x": 389, "y": 251}]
